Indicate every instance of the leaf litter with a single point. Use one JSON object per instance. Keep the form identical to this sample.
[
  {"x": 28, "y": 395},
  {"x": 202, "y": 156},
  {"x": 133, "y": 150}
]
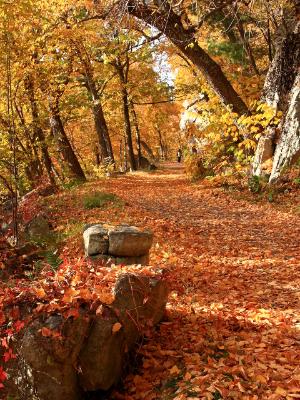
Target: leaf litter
[{"x": 232, "y": 324}]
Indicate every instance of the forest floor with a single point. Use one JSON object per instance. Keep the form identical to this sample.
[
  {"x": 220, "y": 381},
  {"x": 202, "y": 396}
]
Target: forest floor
[{"x": 232, "y": 326}]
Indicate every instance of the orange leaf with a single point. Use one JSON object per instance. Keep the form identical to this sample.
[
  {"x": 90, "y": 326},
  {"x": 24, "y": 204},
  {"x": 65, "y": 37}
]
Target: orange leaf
[
  {"x": 116, "y": 327},
  {"x": 70, "y": 295},
  {"x": 46, "y": 332},
  {"x": 174, "y": 370},
  {"x": 40, "y": 293},
  {"x": 261, "y": 379},
  {"x": 73, "y": 312}
]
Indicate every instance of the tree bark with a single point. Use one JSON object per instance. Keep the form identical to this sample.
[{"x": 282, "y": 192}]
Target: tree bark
[
  {"x": 99, "y": 119},
  {"x": 166, "y": 21},
  {"x": 288, "y": 148},
  {"x": 63, "y": 142},
  {"x": 163, "y": 148},
  {"x": 126, "y": 112},
  {"x": 282, "y": 72},
  {"x": 137, "y": 134},
  {"x": 277, "y": 93},
  {"x": 38, "y": 131},
  {"x": 247, "y": 46},
  {"x": 148, "y": 150}
]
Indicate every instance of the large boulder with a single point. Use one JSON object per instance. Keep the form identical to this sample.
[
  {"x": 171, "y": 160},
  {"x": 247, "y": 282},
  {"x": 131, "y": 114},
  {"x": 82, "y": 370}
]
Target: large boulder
[
  {"x": 62, "y": 359},
  {"x": 46, "y": 365},
  {"x": 101, "y": 359},
  {"x": 95, "y": 240},
  {"x": 139, "y": 304},
  {"x": 129, "y": 241},
  {"x": 38, "y": 227}
]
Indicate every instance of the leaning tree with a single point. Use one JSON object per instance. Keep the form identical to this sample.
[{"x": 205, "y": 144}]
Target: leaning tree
[{"x": 281, "y": 89}]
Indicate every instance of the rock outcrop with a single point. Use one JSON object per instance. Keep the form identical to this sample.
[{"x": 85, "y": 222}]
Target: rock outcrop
[{"x": 63, "y": 359}]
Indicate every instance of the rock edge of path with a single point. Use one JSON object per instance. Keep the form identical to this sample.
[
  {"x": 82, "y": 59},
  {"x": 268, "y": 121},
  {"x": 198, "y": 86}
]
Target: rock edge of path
[{"x": 91, "y": 352}]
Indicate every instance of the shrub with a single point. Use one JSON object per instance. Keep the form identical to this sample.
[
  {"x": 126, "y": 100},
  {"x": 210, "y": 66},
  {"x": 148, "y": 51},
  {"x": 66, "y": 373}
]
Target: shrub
[
  {"x": 254, "y": 184},
  {"x": 194, "y": 167},
  {"x": 98, "y": 200}
]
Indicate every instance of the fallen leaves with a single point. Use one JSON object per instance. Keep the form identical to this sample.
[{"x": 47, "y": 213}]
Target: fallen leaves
[
  {"x": 69, "y": 295},
  {"x": 49, "y": 333},
  {"x": 232, "y": 324}
]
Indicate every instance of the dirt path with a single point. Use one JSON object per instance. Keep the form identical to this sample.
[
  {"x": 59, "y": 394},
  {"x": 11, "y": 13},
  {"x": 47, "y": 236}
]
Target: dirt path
[
  {"x": 232, "y": 329},
  {"x": 233, "y": 320}
]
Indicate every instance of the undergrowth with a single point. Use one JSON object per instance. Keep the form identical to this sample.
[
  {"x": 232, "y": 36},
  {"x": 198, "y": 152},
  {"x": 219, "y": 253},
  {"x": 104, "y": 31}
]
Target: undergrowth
[{"x": 99, "y": 200}]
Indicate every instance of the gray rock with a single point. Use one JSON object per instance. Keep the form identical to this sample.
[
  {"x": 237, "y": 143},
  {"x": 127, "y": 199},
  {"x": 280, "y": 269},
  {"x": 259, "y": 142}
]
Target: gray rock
[
  {"x": 139, "y": 303},
  {"x": 38, "y": 227},
  {"x": 95, "y": 240},
  {"x": 46, "y": 366},
  {"x": 129, "y": 241},
  {"x": 141, "y": 260},
  {"x": 101, "y": 358},
  {"x": 90, "y": 354}
]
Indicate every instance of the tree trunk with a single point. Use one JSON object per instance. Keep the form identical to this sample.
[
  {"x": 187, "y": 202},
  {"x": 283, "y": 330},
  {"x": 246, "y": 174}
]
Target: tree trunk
[
  {"x": 278, "y": 91},
  {"x": 126, "y": 113},
  {"x": 288, "y": 148},
  {"x": 38, "y": 131},
  {"x": 97, "y": 156},
  {"x": 163, "y": 148},
  {"x": 137, "y": 133},
  {"x": 63, "y": 142},
  {"x": 99, "y": 119},
  {"x": 247, "y": 45},
  {"x": 148, "y": 150},
  {"x": 166, "y": 21}
]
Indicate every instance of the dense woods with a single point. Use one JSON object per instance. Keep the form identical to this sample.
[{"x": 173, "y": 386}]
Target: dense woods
[
  {"x": 86, "y": 83},
  {"x": 159, "y": 113}
]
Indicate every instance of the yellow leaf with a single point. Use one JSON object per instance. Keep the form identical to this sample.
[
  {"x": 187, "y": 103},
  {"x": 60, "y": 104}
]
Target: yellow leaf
[
  {"x": 261, "y": 379},
  {"x": 174, "y": 370},
  {"x": 280, "y": 391},
  {"x": 116, "y": 327}
]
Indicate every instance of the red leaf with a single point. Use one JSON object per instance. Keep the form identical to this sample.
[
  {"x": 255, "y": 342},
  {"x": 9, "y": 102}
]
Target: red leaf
[
  {"x": 8, "y": 355},
  {"x": 2, "y": 318},
  {"x": 73, "y": 312},
  {"x": 15, "y": 313},
  {"x": 4, "y": 343},
  {"x": 3, "y": 374},
  {"x": 18, "y": 325},
  {"x": 46, "y": 332}
]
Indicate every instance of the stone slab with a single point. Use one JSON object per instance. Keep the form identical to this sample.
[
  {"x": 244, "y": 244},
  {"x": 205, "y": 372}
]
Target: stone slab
[
  {"x": 96, "y": 240},
  {"x": 129, "y": 241}
]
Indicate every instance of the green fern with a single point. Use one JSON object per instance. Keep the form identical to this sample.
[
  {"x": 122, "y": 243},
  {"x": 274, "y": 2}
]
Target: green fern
[{"x": 53, "y": 260}]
